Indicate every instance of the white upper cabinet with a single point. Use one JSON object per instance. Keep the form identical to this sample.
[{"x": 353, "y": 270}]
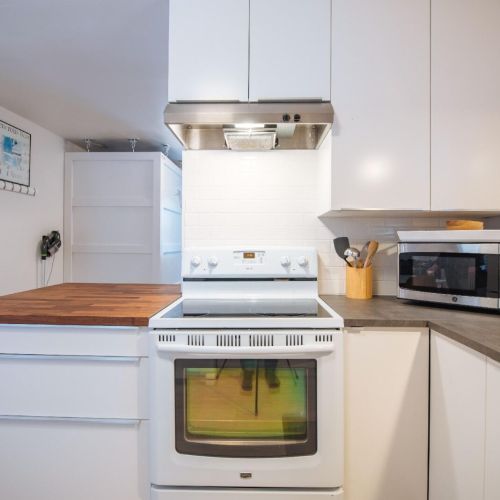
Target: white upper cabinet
[
  {"x": 465, "y": 104},
  {"x": 381, "y": 100},
  {"x": 208, "y": 50},
  {"x": 290, "y": 50}
]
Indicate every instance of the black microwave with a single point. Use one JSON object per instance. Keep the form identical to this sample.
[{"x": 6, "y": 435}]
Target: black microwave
[{"x": 466, "y": 274}]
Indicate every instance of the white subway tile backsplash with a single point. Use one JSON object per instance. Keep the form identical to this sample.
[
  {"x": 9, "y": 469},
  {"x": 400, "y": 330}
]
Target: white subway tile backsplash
[{"x": 274, "y": 198}]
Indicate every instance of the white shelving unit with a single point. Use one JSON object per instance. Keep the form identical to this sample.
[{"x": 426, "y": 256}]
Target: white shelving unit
[{"x": 122, "y": 218}]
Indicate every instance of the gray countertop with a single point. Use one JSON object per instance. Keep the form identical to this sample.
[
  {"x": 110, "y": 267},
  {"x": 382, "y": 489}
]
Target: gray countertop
[{"x": 475, "y": 329}]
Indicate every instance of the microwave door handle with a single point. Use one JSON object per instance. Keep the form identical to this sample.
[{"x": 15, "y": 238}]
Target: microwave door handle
[{"x": 282, "y": 351}]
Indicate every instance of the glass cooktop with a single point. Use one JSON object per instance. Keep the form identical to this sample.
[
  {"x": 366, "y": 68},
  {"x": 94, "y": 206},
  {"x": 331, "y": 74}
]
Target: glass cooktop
[{"x": 238, "y": 308}]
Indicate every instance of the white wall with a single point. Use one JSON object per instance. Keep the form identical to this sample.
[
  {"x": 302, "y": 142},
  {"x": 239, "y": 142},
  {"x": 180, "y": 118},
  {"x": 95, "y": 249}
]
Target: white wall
[
  {"x": 274, "y": 198},
  {"x": 24, "y": 219}
]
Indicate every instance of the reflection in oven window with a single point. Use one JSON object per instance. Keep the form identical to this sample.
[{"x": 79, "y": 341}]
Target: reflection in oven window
[{"x": 246, "y": 399}]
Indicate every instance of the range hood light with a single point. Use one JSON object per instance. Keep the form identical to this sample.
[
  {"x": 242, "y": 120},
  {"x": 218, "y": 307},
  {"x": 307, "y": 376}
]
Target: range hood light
[{"x": 249, "y": 126}]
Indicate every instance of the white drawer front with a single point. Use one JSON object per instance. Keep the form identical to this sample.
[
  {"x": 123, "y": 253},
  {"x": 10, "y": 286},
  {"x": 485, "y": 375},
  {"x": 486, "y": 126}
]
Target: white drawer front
[
  {"x": 73, "y": 386},
  {"x": 73, "y": 460},
  {"x": 73, "y": 340}
]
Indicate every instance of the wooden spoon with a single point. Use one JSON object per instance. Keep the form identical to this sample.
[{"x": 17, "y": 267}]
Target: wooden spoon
[{"x": 372, "y": 250}]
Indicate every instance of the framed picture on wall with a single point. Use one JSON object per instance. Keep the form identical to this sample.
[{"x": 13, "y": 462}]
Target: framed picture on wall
[{"x": 15, "y": 154}]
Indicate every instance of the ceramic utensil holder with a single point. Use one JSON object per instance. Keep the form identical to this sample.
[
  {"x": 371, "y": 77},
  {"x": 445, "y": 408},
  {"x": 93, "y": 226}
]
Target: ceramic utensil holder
[{"x": 359, "y": 282}]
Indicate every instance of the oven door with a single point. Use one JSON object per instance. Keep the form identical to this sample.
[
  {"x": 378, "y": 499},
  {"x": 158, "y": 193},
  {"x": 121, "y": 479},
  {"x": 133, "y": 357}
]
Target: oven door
[
  {"x": 265, "y": 416},
  {"x": 454, "y": 273}
]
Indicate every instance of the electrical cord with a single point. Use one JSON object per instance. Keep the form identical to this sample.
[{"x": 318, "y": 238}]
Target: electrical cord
[{"x": 51, "y": 269}]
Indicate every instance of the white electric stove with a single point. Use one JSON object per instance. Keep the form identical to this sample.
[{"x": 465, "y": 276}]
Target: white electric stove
[{"x": 247, "y": 380}]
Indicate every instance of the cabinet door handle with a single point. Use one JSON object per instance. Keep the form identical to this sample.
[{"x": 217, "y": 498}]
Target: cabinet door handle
[
  {"x": 70, "y": 357},
  {"x": 108, "y": 421}
]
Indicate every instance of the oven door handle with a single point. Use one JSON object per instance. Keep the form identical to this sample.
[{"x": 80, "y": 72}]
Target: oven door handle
[{"x": 283, "y": 351}]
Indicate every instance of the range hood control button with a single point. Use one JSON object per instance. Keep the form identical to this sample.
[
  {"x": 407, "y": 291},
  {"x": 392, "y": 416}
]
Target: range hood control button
[
  {"x": 286, "y": 117},
  {"x": 296, "y": 117}
]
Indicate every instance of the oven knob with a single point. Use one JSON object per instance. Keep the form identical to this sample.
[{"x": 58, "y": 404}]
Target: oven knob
[
  {"x": 302, "y": 261},
  {"x": 285, "y": 261},
  {"x": 212, "y": 261},
  {"x": 195, "y": 261}
]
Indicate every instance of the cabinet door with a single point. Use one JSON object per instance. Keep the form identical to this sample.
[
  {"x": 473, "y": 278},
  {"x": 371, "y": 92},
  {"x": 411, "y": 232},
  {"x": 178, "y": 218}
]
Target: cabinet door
[
  {"x": 492, "y": 477},
  {"x": 208, "y": 50},
  {"x": 50, "y": 459},
  {"x": 386, "y": 414},
  {"x": 465, "y": 104},
  {"x": 290, "y": 49},
  {"x": 457, "y": 416},
  {"x": 381, "y": 99}
]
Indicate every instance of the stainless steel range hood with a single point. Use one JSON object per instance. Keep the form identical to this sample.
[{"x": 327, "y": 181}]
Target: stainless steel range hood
[{"x": 250, "y": 126}]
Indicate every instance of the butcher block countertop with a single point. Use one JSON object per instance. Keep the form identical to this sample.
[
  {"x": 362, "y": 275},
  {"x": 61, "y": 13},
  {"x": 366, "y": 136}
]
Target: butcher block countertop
[
  {"x": 475, "y": 329},
  {"x": 87, "y": 304}
]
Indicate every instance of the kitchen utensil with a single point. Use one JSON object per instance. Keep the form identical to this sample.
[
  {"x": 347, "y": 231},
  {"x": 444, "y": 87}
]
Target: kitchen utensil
[
  {"x": 341, "y": 244},
  {"x": 363, "y": 254},
  {"x": 464, "y": 224},
  {"x": 372, "y": 250},
  {"x": 354, "y": 254}
]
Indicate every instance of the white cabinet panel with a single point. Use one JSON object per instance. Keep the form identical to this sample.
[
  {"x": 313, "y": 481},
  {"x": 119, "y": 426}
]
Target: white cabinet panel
[
  {"x": 208, "y": 50},
  {"x": 492, "y": 475},
  {"x": 465, "y": 104},
  {"x": 122, "y": 213},
  {"x": 72, "y": 460},
  {"x": 290, "y": 49},
  {"x": 73, "y": 386},
  {"x": 381, "y": 99},
  {"x": 386, "y": 414},
  {"x": 457, "y": 417}
]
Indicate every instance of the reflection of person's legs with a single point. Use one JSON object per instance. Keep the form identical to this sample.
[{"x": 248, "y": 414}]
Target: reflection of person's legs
[
  {"x": 248, "y": 366},
  {"x": 272, "y": 379}
]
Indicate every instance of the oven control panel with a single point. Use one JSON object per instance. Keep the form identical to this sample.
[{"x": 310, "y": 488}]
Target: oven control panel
[{"x": 256, "y": 262}]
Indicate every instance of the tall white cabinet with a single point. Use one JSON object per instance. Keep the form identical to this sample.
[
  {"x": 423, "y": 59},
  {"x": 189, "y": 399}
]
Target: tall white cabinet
[
  {"x": 381, "y": 100},
  {"x": 386, "y": 413},
  {"x": 465, "y": 104},
  {"x": 122, "y": 218}
]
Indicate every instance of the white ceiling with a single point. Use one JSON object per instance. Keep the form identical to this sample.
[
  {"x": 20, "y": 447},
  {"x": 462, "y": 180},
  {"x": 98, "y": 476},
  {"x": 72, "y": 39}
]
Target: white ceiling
[{"x": 87, "y": 68}]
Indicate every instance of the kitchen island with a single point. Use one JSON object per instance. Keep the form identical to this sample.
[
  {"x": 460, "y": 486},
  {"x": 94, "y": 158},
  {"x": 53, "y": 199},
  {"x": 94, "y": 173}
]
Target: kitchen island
[{"x": 74, "y": 413}]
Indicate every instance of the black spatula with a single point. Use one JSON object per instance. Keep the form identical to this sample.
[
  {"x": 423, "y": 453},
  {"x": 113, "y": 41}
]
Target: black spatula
[{"x": 341, "y": 245}]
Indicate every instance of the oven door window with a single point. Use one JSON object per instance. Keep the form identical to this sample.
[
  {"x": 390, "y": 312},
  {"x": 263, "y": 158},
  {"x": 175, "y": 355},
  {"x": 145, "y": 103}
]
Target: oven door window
[
  {"x": 245, "y": 408},
  {"x": 473, "y": 275}
]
